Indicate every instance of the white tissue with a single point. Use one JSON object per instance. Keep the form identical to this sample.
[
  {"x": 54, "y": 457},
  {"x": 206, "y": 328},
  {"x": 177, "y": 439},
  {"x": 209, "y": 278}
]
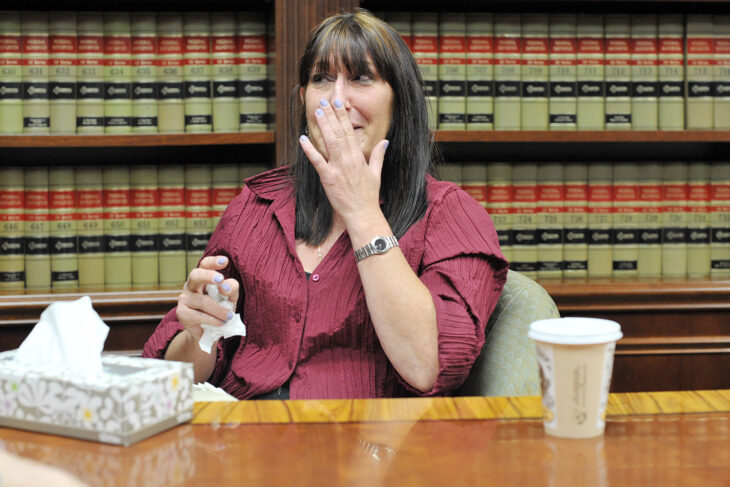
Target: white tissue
[
  {"x": 69, "y": 336},
  {"x": 230, "y": 328}
]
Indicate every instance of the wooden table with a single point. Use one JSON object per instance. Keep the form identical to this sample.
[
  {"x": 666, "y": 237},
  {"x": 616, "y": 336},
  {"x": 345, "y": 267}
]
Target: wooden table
[{"x": 652, "y": 439}]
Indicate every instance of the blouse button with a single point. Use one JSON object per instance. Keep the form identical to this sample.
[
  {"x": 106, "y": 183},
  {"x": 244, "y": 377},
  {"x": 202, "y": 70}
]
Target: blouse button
[
  {"x": 291, "y": 364},
  {"x": 315, "y": 277},
  {"x": 297, "y": 317}
]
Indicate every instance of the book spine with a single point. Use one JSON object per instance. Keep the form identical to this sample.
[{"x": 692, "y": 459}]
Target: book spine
[
  {"x": 600, "y": 219},
  {"x": 117, "y": 73},
  {"x": 534, "y": 72},
  {"x": 699, "y": 72},
  {"x": 479, "y": 72},
  {"x": 117, "y": 251},
  {"x": 452, "y": 71},
  {"x": 196, "y": 58},
  {"x": 270, "y": 73},
  {"x": 170, "y": 76},
  {"x": 451, "y": 171},
  {"x": 224, "y": 72},
  {"x": 507, "y": 72},
  {"x": 90, "y": 226},
  {"x": 144, "y": 72},
  {"x": 625, "y": 219},
  {"x": 671, "y": 91},
  {"x": 721, "y": 71},
  {"x": 143, "y": 226},
  {"x": 198, "y": 212},
  {"x": 720, "y": 219},
  {"x": 11, "y": 77},
  {"x": 247, "y": 170},
  {"x": 674, "y": 220},
  {"x": 425, "y": 52},
  {"x": 524, "y": 223},
  {"x": 90, "y": 74},
  {"x": 62, "y": 217},
  {"x": 575, "y": 221},
  {"x": 226, "y": 185},
  {"x": 35, "y": 69},
  {"x": 171, "y": 225},
  {"x": 252, "y": 82},
  {"x": 650, "y": 220},
  {"x": 12, "y": 242},
  {"x": 37, "y": 229},
  {"x": 644, "y": 72},
  {"x": 401, "y": 22},
  {"x": 550, "y": 219},
  {"x": 563, "y": 72},
  {"x": 62, "y": 75},
  {"x": 618, "y": 72},
  {"x": 474, "y": 181},
  {"x": 698, "y": 221},
  {"x": 499, "y": 204},
  {"x": 590, "y": 73}
]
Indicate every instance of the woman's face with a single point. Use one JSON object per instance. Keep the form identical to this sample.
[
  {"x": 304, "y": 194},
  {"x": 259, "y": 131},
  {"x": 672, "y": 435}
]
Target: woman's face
[{"x": 366, "y": 96}]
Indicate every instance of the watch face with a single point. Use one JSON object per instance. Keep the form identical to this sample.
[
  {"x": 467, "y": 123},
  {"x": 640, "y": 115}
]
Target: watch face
[{"x": 380, "y": 244}]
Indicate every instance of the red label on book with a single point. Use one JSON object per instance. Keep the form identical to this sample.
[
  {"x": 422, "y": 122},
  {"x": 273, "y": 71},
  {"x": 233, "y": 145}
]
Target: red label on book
[
  {"x": 720, "y": 192},
  {"x": 144, "y": 45},
  {"x": 9, "y": 62},
  {"x": 650, "y": 192},
  {"x": 36, "y": 217},
  {"x": 171, "y": 214},
  {"x": 90, "y": 44},
  {"x": 576, "y": 192},
  {"x": 722, "y": 46},
  {"x": 563, "y": 45},
  {"x": 114, "y": 198},
  {"x": 36, "y": 200},
  {"x": 197, "y": 196},
  {"x": 253, "y": 43},
  {"x": 507, "y": 45},
  {"x": 699, "y": 192},
  {"x": 425, "y": 44},
  {"x": 170, "y": 45},
  {"x": 563, "y": 62},
  {"x": 224, "y": 44},
  {"x": 116, "y": 215},
  {"x": 11, "y": 199},
  {"x": 11, "y": 217},
  {"x": 62, "y": 62},
  {"x": 452, "y": 44},
  {"x": 535, "y": 45},
  {"x": 645, "y": 62},
  {"x": 198, "y": 214},
  {"x": 481, "y": 44},
  {"x": 452, "y": 61},
  {"x": 9, "y": 44},
  {"x": 525, "y": 193},
  {"x": 625, "y": 192},
  {"x": 252, "y": 60},
  {"x": 499, "y": 194},
  {"x": 671, "y": 45},
  {"x": 172, "y": 196},
  {"x": 426, "y": 61},
  {"x": 550, "y": 192},
  {"x": 63, "y": 44},
  {"x": 641, "y": 46},
  {"x": 143, "y": 215},
  {"x": 35, "y": 44},
  {"x": 64, "y": 199},
  {"x": 589, "y": 45},
  {"x": 89, "y": 198},
  {"x": 671, "y": 62},
  {"x": 143, "y": 196},
  {"x": 699, "y": 45},
  {"x": 196, "y": 44},
  {"x": 476, "y": 191},
  {"x": 600, "y": 193},
  {"x": 117, "y": 45},
  {"x": 674, "y": 192},
  {"x": 223, "y": 196},
  {"x": 617, "y": 46}
]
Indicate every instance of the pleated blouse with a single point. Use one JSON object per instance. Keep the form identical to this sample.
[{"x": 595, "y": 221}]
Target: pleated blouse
[{"x": 317, "y": 333}]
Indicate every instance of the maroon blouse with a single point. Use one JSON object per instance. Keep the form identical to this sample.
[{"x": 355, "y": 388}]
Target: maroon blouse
[{"x": 317, "y": 333}]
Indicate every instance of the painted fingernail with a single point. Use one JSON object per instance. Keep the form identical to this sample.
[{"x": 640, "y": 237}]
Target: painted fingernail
[
  {"x": 323, "y": 102},
  {"x": 218, "y": 278},
  {"x": 387, "y": 143},
  {"x": 338, "y": 103},
  {"x": 303, "y": 138},
  {"x": 319, "y": 112},
  {"x": 229, "y": 316},
  {"x": 222, "y": 260},
  {"x": 226, "y": 287}
]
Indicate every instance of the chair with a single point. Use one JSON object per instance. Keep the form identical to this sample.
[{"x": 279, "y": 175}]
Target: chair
[{"x": 507, "y": 365}]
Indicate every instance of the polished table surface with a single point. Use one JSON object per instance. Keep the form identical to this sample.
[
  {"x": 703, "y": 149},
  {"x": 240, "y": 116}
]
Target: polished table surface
[{"x": 662, "y": 438}]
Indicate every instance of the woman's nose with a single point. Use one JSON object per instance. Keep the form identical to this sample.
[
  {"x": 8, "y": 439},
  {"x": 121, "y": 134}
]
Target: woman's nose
[{"x": 339, "y": 91}]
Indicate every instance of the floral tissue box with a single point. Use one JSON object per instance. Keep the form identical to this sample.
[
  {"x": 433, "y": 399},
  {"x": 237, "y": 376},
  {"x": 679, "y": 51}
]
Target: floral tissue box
[{"x": 133, "y": 399}]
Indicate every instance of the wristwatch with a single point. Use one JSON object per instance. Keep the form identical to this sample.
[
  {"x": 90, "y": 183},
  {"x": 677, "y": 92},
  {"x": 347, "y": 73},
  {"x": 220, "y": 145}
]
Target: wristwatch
[{"x": 378, "y": 245}]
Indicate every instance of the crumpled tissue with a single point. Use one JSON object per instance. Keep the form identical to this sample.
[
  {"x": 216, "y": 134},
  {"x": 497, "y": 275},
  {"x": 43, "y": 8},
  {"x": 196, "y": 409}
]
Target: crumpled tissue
[
  {"x": 230, "y": 328},
  {"x": 69, "y": 336}
]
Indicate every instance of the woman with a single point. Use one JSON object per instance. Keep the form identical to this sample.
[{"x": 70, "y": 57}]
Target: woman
[{"x": 356, "y": 272}]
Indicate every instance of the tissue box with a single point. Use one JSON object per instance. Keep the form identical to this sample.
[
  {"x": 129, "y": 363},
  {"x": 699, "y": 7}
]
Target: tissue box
[{"x": 133, "y": 399}]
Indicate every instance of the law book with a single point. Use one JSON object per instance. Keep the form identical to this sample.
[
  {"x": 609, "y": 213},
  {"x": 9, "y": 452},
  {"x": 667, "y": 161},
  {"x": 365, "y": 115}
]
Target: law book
[
  {"x": 224, "y": 72},
  {"x": 143, "y": 26},
  {"x": 90, "y": 226},
  {"x": 143, "y": 226},
  {"x": 401, "y": 22},
  {"x": 12, "y": 243},
  {"x": 618, "y": 72},
  {"x": 37, "y": 229},
  {"x": 11, "y": 77},
  {"x": 625, "y": 219},
  {"x": 534, "y": 72},
  {"x": 550, "y": 219},
  {"x": 671, "y": 92},
  {"x": 644, "y": 72},
  {"x": 252, "y": 81},
  {"x": 600, "y": 219},
  {"x": 35, "y": 52},
  {"x": 575, "y": 220},
  {"x": 507, "y": 71},
  {"x": 117, "y": 226},
  {"x": 698, "y": 219},
  {"x": 452, "y": 71},
  {"x": 226, "y": 186},
  {"x": 721, "y": 71},
  {"x": 90, "y": 73},
  {"x": 720, "y": 219},
  {"x": 170, "y": 76},
  {"x": 674, "y": 219},
  {"x": 563, "y": 72},
  {"x": 117, "y": 73},
  {"x": 474, "y": 181},
  {"x": 699, "y": 72},
  {"x": 196, "y": 59},
  {"x": 451, "y": 171},
  {"x": 499, "y": 204},
  {"x": 590, "y": 103},
  {"x": 198, "y": 211},
  {"x": 425, "y": 52},
  {"x": 270, "y": 72},
  {"x": 649, "y": 257},
  {"x": 63, "y": 46},
  {"x": 171, "y": 225},
  {"x": 479, "y": 72},
  {"x": 62, "y": 221},
  {"x": 524, "y": 218}
]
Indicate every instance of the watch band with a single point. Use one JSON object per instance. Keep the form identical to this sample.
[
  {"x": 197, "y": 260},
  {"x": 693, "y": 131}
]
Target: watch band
[{"x": 378, "y": 245}]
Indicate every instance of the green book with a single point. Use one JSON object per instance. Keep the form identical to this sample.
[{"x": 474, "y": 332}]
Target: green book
[
  {"x": 117, "y": 251},
  {"x": 37, "y": 230},
  {"x": 143, "y": 226},
  {"x": 650, "y": 220},
  {"x": 198, "y": 210},
  {"x": 590, "y": 73},
  {"x": 479, "y": 71},
  {"x": 499, "y": 204},
  {"x": 12, "y": 210},
  {"x": 90, "y": 226},
  {"x": 674, "y": 219},
  {"x": 720, "y": 219},
  {"x": 90, "y": 73},
  {"x": 170, "y": 77},
  {"x": 618, "y": 72},
  {"x": 507, "y": 71},
  {"x": 671, "y": 72},
  {"x": 171, "y": 225},
  {"x": 550, "y": 219},
  {"x": 644, "y": 72},
  {"x": 35, "y": 52},
  {"x": 63, "y": 241},
  {"x": 197, "y": 72},
  {"x": 699, "y": 72},
  {"x": 143, "y": 26},
  {"x": 525, "y": 218},
  {"x": 226, "y": 185},
  {"x": 575, "y": 221},
  {"x": 117, "y": 73},
  {"x": 535, "y": 72},
  {"x": 563, "y": 72},
  {"x": 452, "y": 71},
  {"x": 62, "y": 74},
  {"x": 224, "y": 72},
  {"x": 425, "y": 52},
  {"x": 451, "y": 171},
  {"x": 698, "y": 219},
  {"x": 721, "y": 71},
  {"x": 252, "y": 81},
  {"x": 474, "y": 181},
  {"x": 11, "y": 77},
  {"x": 625, "y": 219},
  {"x": 600, "y": 219}
]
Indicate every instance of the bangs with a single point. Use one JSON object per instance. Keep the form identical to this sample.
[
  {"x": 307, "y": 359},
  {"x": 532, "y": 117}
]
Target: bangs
[{"x": 342, "y": 52}]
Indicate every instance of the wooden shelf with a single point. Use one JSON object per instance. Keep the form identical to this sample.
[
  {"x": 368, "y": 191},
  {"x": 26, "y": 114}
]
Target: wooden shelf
[
  {"x": 600, "y": 136},
  {"x": 136, "y": 140}
]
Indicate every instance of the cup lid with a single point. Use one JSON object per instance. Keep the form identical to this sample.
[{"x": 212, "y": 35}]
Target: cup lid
[{"x": 575, "y": 331}]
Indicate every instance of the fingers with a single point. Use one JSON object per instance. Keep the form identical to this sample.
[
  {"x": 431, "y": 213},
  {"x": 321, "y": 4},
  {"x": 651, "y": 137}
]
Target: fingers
[
  {"x": 202, "y": 276},
  {"x": 229, "y": 288},
  {"x": 377, "y": 156},
  {"x": 337, "y": 132},
  {"x": 312, "y": 154}
]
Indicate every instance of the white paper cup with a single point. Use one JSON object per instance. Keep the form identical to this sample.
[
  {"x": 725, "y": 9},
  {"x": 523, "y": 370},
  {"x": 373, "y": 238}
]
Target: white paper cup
[{"x": 576, "y": 360}]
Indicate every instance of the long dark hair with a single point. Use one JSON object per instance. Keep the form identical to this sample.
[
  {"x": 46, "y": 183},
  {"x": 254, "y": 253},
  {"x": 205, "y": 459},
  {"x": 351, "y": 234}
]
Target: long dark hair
[{"x": 348, "y": 40}]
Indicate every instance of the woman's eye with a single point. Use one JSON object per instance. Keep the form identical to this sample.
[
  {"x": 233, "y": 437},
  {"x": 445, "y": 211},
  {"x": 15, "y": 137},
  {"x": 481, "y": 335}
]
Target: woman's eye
[
  {"x": 320, "y": 78},
  {"x": 364, "y": 78}
]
